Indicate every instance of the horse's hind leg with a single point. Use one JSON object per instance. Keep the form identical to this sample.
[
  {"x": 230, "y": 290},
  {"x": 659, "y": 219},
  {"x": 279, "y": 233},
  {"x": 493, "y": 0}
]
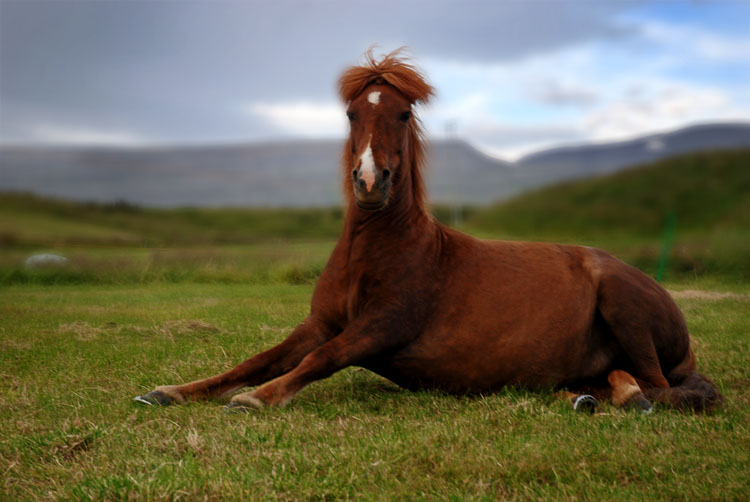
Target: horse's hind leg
[
  {"x": 623, "y": 390},
  {"x": 585, "y": 403},
  {"x": 259, "y": 369},
  {"x": 626, "y": 393},
  {"x": 641, "y": 315}
]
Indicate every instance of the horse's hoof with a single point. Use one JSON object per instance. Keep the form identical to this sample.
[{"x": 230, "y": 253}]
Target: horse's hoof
[
  {"x": 243, "y": 403},
  {"x": 640, "y": 403},
  {"x": 234, "y": 407},
  {"x": 585, "y": 403},
  {"x": 246, "y": 401},
  {"x": 154, "y": 398}
]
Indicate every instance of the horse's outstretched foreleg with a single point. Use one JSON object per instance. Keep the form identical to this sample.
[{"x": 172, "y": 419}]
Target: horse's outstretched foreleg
[
  {"x": 349, "y": 348},
  {"x": 261, "y": 368}
]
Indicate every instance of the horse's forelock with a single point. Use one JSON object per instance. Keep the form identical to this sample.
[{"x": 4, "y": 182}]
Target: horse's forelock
[{"x": 392, "y": 69}]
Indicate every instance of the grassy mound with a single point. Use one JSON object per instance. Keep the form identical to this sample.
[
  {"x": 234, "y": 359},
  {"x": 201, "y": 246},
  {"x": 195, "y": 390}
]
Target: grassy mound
[{"x": 705, "y": 191}]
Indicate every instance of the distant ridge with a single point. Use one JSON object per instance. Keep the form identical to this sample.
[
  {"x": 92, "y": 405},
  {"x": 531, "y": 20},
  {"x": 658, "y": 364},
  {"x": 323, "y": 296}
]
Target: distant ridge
[
  {"x": 582, "y": 161},
  {"x": 306, "y": 173}
]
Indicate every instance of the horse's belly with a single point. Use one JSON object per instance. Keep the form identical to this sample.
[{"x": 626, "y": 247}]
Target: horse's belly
[{"x": 482, "y": 354}]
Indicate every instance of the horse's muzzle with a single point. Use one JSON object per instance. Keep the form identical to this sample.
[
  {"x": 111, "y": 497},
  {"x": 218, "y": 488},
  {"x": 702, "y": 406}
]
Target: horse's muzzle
[{"x": 369, "y": 195}]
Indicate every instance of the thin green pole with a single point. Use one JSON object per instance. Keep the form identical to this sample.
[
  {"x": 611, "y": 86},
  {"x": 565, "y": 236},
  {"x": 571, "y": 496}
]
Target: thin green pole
[{"x": 670, "y": 226}]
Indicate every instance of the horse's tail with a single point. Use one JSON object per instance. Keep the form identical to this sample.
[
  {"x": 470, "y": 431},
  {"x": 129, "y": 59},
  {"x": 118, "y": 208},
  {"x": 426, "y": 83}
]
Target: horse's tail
[{"x": 689, "y": 390}]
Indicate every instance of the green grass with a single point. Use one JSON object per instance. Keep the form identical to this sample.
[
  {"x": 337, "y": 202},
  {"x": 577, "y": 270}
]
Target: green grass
[
  {"x": 29, "y": 221},
  {"x": 73, "y": 356},
  {"x": 292, "y": 262},
  {"x": 706, "y": 191}
]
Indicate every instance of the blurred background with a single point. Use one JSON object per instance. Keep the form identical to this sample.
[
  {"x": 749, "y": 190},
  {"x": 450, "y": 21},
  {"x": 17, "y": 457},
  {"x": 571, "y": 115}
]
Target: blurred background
[{"x": 153, "y": 140}]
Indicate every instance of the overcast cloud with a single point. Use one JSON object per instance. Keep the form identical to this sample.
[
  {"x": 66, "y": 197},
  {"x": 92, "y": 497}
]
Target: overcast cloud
[{"x": 511, "y": 76}]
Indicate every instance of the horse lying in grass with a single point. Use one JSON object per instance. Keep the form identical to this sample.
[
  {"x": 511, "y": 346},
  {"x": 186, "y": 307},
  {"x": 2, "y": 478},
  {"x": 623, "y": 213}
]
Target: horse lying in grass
[{"x": 429, "y": 307}]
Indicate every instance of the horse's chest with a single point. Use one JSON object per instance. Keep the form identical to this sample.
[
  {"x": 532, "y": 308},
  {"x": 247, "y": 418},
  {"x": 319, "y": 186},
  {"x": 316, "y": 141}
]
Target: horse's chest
[
  {"x": 361, "y": 290},
  {"x": 379, "y": 292},
  {"x": 380, "y": 281},
  {"x": 343, "y": 293}
]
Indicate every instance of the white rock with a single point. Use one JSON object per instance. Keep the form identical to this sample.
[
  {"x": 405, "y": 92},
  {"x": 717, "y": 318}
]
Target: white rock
[{"x": 45, "y": 260}]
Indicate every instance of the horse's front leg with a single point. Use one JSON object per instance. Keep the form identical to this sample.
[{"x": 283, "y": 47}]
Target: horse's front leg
[
  {"x": 259, "y": 369},
  {"x": 355, "y": 344}
]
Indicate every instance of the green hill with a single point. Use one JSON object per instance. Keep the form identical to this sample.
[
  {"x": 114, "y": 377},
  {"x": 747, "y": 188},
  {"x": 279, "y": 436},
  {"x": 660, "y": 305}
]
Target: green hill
[
  {"x": 31, "y": 221},
  {"x": 705, "y": 195},
  {"x": 705, "y": 191}
]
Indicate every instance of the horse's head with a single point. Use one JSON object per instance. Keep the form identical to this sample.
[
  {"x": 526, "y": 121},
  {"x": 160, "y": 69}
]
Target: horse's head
[
  {"x": 384, "y": 147},
  {"x": 379, "y": 120}
]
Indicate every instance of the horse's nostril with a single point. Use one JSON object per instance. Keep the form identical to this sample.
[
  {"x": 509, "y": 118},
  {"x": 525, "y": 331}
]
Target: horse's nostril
[{"x": 386, "y": 174}]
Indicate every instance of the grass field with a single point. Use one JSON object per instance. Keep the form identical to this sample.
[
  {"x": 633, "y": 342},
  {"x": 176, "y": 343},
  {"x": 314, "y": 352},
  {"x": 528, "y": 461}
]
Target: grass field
[
  {"x": 152, "y": 297},
  {"x": 73, "y": 356}
]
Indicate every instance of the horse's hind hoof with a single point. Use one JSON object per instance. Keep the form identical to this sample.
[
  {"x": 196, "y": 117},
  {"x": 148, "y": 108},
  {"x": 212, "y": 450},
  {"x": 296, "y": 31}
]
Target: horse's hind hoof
[
  {"x": 640, "y": 403},
  {"x": 585, "y": 403},
  {"x": 154, "y": 398}
]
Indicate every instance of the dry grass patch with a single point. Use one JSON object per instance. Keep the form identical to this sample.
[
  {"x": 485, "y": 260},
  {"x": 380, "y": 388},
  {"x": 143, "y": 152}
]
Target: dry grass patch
[{"x": 695, "y": 294}]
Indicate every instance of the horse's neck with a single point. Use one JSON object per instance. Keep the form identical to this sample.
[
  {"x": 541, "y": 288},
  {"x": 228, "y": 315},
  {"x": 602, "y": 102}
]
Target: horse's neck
[
  {"x": 403, "y": 222},
  {"x": 400, "y": 223}
]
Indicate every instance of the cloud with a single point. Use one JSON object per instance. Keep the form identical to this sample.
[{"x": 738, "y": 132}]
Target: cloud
[
  {"x": 511, "y": 76},
  {"x": 81, "y": 60},
  {"x": 698, "y": 42},
  {"x": 556, "y": 93},
  {"x": 669, "y": 77},
  {"x": 302, "y": 118},
  {"x": 512, "y": 141},
  {"x": 656, "y": 106}
]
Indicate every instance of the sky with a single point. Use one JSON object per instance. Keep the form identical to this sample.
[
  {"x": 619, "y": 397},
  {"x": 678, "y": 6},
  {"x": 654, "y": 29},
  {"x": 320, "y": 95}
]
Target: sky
[{"x": 511, "y": 76}]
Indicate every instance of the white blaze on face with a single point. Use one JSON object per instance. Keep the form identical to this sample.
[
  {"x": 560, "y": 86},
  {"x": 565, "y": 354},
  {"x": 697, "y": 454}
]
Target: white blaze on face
[
  {"x": 374, "y": 97},
  {"x": 367, "y": 167}
]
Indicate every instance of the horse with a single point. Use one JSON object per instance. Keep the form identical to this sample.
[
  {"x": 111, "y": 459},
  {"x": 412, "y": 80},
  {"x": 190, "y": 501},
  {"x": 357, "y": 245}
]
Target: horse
[{"x": 429, "y": 307}]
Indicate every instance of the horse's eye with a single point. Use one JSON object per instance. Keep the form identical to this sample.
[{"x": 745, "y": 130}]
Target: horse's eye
[
  {"x": 405, "y": 116},
  {"x": 352, "y": 116}
]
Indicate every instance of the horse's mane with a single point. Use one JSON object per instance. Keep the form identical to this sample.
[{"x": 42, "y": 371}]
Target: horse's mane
[{"x": 396, "y": 71}]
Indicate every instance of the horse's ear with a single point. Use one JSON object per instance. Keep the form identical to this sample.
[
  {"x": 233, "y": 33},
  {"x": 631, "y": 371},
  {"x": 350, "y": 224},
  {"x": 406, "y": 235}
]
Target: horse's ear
[{"x": 392, "y": 69}]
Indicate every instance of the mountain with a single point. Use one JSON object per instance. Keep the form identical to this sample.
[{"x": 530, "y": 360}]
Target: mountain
[
  {"x": 306, "y": 173},
  {"x": 298, "y": 173},
  {"x": 278, "y": 174},
  {"x": 583, "y": 161}
]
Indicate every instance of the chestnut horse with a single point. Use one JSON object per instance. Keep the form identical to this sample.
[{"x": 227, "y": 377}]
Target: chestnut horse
[{"x": 426, "y": 306}]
